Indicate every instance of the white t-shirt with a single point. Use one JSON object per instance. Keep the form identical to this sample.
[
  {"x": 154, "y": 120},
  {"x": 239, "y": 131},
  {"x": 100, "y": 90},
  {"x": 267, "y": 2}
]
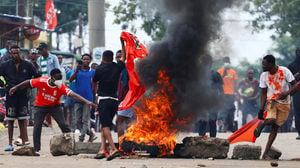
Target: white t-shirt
[{"x": 277, "y": 83}]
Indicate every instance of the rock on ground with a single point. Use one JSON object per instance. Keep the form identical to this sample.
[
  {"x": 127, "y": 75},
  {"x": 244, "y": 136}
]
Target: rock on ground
[
  {"x": 246, "y": 152},
  {"x": 274, "y": 153},
  {"x": 62, "y": 144},
  {"x": 24, "y": 151},
  {"x": 199, "y": 147}
]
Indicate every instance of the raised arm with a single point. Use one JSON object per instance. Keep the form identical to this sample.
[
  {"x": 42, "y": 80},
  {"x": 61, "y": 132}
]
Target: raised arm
[{"x": 23, "y": 84}]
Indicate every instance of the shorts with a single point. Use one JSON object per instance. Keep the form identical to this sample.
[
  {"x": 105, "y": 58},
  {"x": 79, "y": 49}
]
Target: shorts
[
  {"x": 126, "y": 113},
  {"x": 278, "y": 111},
  {"x": 17, "y": 107},
  {"x": 107, "y": 109}
]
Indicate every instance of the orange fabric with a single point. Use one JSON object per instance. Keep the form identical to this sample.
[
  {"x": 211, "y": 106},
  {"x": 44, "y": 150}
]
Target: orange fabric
[
  {"x": 246, "y": 132},
  {"x": 228, "y": 80},
  {"x": 134, "y": 49}
]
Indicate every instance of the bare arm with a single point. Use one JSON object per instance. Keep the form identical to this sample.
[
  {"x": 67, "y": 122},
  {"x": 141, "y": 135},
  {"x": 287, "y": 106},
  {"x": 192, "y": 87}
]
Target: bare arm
[
  {"x": 263, "y": 98},
  {"x": 74, "y": 75},
  {"x": 291, "y": 91},
  {"x": 81, "y": 99},
  {"x": 23, "y": 84},
  {"x": 95, "y": 84},
  {"x": 123, "y": 57}
]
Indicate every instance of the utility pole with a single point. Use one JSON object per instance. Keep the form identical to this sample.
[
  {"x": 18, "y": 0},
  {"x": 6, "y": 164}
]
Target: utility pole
[
  {"x": 80, "y": 18},
  {"x": 21, "y": 11},
  {"x": 96, "y": 18},
  {"x": 30, "y": 14}
]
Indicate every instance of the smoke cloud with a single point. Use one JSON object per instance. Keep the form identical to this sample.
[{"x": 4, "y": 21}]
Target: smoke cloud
[{"x": 184, "y": 53}]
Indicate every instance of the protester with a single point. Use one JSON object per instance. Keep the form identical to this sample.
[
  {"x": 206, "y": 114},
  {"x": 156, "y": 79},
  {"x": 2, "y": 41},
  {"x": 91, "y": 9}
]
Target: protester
[
  {"x": 249, "y": 92},
  {"x": 83, "y": 86},
  {"x": 33, "y": 56},
  {"x": 47, "y": 102},
  {"x": 230, "y": 78},
  {"x": 294, "y": 67},
  {"x": 217, "y": 89},
  {"x": 14, "y": 72},
  {"x": 275, "y": 91},
  {"x": 7, "y": 55},
  {"x": 70, "y": 103},
  {"x": 107, "y": 75},
  {"x": 123, "y": 116},
  {"x": 47, "y": 62}
]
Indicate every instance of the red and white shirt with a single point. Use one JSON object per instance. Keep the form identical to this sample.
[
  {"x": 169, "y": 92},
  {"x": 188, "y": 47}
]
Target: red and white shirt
[
  {"x": 277, "y": 83},
  {"x": 48, "y": 95}
]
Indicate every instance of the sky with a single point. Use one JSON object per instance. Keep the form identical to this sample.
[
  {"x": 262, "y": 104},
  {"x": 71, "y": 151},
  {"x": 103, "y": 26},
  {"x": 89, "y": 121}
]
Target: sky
[{"x": 236, "y": 31}]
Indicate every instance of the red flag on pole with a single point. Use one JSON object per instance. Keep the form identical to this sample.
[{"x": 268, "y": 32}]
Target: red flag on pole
[
  {"x": 50, "y": 15},
  {"x": 246, "y": 132},
  {"x": 134, "y": 49}
]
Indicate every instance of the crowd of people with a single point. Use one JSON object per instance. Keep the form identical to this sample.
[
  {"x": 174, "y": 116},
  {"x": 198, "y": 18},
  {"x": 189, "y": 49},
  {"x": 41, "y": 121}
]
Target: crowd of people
[{"x": 42, "y": 87}]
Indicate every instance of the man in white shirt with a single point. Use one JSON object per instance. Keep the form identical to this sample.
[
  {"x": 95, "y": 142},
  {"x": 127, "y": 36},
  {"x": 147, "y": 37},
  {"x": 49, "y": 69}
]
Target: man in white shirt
[{"x": 276, "y": 83}]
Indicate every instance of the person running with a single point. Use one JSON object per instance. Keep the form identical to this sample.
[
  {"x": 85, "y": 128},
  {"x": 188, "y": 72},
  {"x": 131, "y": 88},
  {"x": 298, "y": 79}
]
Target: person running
[
  {"x": 48, "y": 101},
  {"x": 275, "y": 92}
]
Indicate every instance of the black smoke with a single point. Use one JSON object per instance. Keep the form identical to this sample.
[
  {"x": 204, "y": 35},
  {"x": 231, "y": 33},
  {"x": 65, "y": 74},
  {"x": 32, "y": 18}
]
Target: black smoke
[{"x": 184, "y": 53}]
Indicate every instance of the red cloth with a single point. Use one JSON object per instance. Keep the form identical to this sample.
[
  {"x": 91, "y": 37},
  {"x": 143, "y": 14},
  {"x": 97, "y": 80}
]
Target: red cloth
[
  {"x": 50, "y": 14},
  {"x": 246, "y": 132},
  {"x": 48, "y": 95},
  {"x": 134, "y": 49}
]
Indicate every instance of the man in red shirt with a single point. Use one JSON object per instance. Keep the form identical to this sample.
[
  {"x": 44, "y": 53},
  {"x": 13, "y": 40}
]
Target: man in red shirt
[{"x": 48, "y": 101}]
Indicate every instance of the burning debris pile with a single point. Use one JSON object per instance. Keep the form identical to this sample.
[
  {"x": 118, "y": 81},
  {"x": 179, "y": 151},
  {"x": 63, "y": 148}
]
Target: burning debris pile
[{"x": 176, "y": 74}]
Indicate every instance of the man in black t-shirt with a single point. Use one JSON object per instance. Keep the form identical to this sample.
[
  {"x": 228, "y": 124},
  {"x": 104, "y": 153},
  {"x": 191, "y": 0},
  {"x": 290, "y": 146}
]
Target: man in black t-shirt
[
  {"x": 107, "y": 76},
  {"x": 14, "y": 72},
  {"x": 294, "y": 67}
]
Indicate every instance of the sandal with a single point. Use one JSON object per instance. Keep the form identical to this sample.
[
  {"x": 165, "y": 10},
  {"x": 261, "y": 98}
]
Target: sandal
[
  {"x": 92, "y": 138},
  {"x": 113, "y": 156},
  {"x": 99, "y": 156}
]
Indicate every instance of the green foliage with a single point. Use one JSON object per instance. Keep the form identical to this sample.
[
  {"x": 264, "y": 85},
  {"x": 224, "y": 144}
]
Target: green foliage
[
  {"x": 69, "y": 11},
  {"x": 130, "y": 10},
  {"x": 283, "y": 16}
]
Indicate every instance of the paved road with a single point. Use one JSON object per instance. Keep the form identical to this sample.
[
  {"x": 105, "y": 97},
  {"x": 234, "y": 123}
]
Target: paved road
[{"x": 285, "y": 142}]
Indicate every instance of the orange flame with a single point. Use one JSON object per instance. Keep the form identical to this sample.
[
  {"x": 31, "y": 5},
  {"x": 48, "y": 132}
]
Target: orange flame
[{"x": 155, "y": 119}]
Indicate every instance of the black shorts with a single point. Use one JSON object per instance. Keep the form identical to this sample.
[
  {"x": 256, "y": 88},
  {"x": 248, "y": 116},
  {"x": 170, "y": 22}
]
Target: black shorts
[
  {"x": 17, "y": 107},
  {"x": 107, "y": 109}
]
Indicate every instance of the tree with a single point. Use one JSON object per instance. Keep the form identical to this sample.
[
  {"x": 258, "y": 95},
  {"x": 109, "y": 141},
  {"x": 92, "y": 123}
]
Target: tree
[
  {"x": 130, "y": 10},
  {"x": 67, "y": 13},
  {"x": 282, "y": 16}
]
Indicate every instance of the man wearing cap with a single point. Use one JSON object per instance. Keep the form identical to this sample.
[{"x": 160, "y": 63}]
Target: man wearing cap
[{"x": 47, "y": 62}]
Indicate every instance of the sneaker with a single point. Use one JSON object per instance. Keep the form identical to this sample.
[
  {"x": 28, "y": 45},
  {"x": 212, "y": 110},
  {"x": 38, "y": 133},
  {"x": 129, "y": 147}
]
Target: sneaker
[
  {"x": 9, "y": 148},
  {"x": 77, "y": 131},
  {"x": 37, "y": 153},
  {"x": 298, "y": 137}
]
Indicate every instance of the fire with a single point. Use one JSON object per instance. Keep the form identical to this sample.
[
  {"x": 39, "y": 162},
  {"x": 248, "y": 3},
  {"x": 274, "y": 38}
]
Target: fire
[{"x": 155, "y": 119}]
